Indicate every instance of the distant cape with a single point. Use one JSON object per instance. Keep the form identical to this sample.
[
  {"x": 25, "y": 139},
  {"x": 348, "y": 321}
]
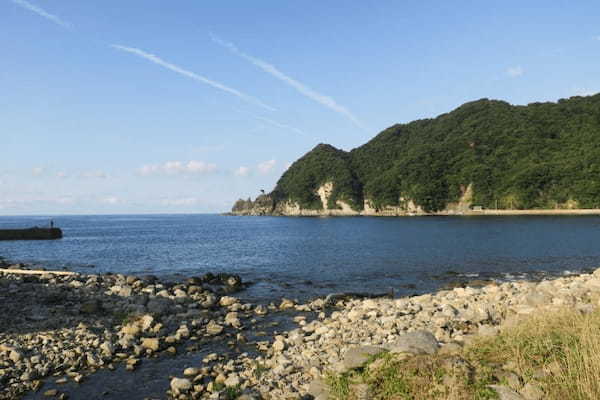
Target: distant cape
[{"x": 485, "y": 155}]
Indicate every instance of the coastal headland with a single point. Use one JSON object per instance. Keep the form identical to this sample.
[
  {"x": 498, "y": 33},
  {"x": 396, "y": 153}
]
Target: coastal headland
[
  {"x": 58, "y": 330},
  {"x": 486, "y": 157}
]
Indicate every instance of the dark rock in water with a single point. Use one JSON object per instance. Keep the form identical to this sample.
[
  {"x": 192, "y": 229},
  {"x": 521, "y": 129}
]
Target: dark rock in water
[
  {"x": 472, "y": 283},
  {"x": 195, "y": 281},
  {"x": 149, "y": 279},
  {"x": 333, "y": 298},
  {"x": 222, "y": 279},
  {"x": 233, "y": 281},
  {"x": 229, "y": 279},
  {"x": 479, "y": 282}
]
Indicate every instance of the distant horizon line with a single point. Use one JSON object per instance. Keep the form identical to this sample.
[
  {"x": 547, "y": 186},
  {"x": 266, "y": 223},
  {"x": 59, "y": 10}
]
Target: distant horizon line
[{"x": 108, "y": 214}]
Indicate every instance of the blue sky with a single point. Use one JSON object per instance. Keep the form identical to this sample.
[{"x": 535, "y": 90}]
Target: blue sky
[{"x": 152, "y": 106}]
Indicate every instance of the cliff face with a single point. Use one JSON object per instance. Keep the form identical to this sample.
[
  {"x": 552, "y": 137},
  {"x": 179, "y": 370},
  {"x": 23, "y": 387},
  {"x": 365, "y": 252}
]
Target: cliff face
[
  {"x": 265, "y": 205},
  {"x": 262, "y": 205},
  {"x": 485, "y": 154}
]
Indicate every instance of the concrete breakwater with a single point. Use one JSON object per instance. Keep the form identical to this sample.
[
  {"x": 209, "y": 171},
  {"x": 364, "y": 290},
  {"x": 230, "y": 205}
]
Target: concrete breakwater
[
  {"x": 58, "y": 330},
  {"x": 31, "y": 234}
]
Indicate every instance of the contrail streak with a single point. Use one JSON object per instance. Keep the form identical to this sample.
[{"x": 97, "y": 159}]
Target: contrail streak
[
  {"x": 41, "y": 12},
  {"x": 300, "y": 87},
  {"x": 271, "y": 122},
  {"x": 280, "y": 125},
  {"x": 198, "y": 78}
]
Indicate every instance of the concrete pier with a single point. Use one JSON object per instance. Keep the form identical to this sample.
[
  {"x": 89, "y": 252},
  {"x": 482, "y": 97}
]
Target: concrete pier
[{"x": 31, "y": 234}]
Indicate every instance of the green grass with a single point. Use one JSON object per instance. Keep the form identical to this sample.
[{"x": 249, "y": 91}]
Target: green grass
[
  {"x": 232, "y": 392},
  {"x": 421, "y": 377},
  {"x": 259, "y": 369},
  {"x": 557, "y": 351}
]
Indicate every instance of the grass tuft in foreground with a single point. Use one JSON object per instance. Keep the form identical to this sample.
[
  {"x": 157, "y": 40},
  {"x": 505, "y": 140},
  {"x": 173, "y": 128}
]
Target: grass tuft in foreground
[{"x": 554, "y": 353}]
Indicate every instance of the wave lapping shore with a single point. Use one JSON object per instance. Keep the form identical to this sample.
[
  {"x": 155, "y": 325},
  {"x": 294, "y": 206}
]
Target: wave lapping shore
[{"x": 71, "y": 326}]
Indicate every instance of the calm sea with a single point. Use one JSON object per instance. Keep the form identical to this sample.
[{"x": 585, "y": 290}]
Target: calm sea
[{"x": 306, "y": 257}]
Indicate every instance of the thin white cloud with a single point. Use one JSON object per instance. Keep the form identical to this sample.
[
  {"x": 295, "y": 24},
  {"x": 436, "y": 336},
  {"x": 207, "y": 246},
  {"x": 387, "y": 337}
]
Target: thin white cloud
[
  {"x": 597, "y": 38},
  {"x": 241, "y": 171},
  {"x": 299, "y": 86},
  {"x": 94, "y": 175},
  {"x": 177, "y": 167},
  {"x": 37, "y": 171},
  {"x": 515, "y": 71},
  {"x": 111, "y": 200},
  {"x": 198, "y": 78},
  {"x": 65, "y": 200},
  {"x": 42, "y": 13},
  {"x": 182, "y": 202},
  {"x": 583, "y": 92},
  {"x": 266, "y": 166}
]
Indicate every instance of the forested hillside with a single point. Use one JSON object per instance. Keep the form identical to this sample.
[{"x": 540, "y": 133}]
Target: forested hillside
[{"x": 543, "y": 155}]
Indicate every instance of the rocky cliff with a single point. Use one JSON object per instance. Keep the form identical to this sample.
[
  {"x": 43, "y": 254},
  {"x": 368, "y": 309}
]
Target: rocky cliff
[{"x": 266, "y": 205}]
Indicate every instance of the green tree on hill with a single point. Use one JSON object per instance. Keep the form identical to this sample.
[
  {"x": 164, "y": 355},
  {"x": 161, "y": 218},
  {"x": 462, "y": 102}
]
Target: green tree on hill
[{"x": 543, "y": 155}]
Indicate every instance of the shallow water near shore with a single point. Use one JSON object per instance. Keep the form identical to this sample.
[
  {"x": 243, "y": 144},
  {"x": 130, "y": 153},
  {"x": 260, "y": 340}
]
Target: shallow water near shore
[{"x": 307, "y": 257}]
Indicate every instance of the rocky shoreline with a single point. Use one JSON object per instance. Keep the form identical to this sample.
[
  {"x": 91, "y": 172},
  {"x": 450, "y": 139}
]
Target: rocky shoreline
[{"x": 59, "y": 330}]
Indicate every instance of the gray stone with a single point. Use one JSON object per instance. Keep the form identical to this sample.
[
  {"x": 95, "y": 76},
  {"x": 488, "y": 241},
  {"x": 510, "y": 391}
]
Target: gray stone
[
  {"x": 191, "y": 371},
  {"x": 286, "y": 303},
  {"x": 107, "y": 349},
  {"x": 506, "y": 393},
  {"x": 356, "y": 357},
  {"x": 213, "y": 329},
  {"x": 15, "y": 356},
  {"x": 226, "y": 301},
  {"x": 232, "y": 380},
  {"x": 179, "y": 385},
  {"x": 510, "y": 378},
  {"x": 318, "y": 388},
  {"x": 124, "y": 291},
  {"x": 151, "y": 343},
  {"x": 532, "y": 392},
  {"x": 278, "y": 345},
  {"x": 418, "y": 342},
  {"x": 260, "y": 310}
]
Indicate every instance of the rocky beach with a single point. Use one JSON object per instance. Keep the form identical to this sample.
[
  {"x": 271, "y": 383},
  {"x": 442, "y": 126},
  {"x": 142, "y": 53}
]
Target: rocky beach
[{"x": 59, "y": 330}]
